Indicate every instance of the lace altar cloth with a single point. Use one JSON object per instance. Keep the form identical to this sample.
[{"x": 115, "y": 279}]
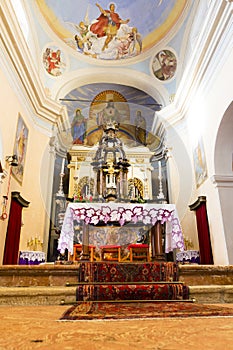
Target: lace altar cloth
[
  {"x": 188, "y": 256},
  {"x": 30, "y": 257},
  {"x": 123, "y": 214}
]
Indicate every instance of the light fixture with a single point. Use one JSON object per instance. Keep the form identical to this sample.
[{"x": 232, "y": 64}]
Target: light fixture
[{"x": 12, "y": 160}]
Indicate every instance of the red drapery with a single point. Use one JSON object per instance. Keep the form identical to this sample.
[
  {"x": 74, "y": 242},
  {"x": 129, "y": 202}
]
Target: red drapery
[
  {"x": 11, "y": 250},
  {"x": 205, "y": 248}
]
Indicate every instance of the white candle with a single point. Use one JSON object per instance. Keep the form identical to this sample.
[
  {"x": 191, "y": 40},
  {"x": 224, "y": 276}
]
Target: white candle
[
  {"x": 160, "y": 170},
  {"x": 63, "y": 166}
]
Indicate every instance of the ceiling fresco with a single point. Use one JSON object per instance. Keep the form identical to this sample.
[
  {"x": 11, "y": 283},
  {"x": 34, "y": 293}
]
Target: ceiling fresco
[{"x": 111, "y": 31}]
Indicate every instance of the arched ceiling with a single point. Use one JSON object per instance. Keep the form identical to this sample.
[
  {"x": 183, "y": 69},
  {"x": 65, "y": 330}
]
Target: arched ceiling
[
  {"x": 146, "y": 38},
  {"x": 160, "y": 48}
]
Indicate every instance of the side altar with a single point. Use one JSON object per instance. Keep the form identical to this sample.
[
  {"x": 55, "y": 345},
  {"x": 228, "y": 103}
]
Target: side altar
[{"x": 124, "y": 216}]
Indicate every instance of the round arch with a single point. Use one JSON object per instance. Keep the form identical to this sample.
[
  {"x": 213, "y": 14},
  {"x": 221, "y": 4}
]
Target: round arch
[
  {"x": 127, "y": 77},
  {"x": 223, "y": 178},
  {"x": 224, "y": 144}
]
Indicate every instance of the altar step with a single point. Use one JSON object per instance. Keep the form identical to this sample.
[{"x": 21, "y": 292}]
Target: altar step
[
  {"x": 39, "y": 295},
  {"x": 47, "y": 284},
  {"x": 140, "y": 292}
]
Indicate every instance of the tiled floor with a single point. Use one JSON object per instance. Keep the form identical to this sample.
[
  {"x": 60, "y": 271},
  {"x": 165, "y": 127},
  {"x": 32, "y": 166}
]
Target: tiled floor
[{"x": 37, "y": 327}]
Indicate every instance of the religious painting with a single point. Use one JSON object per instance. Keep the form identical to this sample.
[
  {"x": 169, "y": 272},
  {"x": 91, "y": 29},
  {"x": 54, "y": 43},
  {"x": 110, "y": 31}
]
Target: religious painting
[
  {"x": 140, "y": 129},
  {"x": 108, "y": 37},
  {"x": 164, "y": 65},
  {"x": 108, "y": 106},
  {"x": 78, "y": 127},
  {"x": 53, "y": 61},
  {"x": 20, "y": 148},
  {"x": 199, "y": 163},
  {"x": 92, "y": 105},
  {"x": 111, "y": 31}
]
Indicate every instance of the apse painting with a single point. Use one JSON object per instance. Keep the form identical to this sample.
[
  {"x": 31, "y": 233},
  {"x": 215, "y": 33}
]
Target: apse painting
[
  {"x": 20, "y": 148},
  {"x": 111, "y": 31},
  {"x": 91, "y": 106}
]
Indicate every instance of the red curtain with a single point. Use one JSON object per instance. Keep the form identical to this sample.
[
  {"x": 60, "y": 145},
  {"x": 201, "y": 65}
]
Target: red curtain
[
  {"x": 205, "y": 248},
  {"x": 13, "y": 234}
]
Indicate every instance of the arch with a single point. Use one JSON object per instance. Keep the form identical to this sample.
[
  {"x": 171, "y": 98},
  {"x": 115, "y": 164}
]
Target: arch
[
  {"x": 224, "y": 144},
  {"x": 122, "y": 76},
  {"x": 223, "y": 178}
]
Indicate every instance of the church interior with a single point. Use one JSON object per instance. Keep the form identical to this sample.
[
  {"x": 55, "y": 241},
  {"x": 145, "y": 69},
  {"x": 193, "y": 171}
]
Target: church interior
[{"x": 124, "y": 113}]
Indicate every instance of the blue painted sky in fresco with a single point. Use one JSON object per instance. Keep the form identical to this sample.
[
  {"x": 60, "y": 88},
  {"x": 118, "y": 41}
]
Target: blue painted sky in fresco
[
  {"x": 146, "y": 15},
  {"x": 136, "y": 100}
]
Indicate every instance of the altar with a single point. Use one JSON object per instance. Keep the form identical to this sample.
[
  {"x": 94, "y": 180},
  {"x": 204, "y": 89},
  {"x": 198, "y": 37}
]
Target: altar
[
  {"x": 115, "y": 206},
  {"x": 120, "y": 215}
]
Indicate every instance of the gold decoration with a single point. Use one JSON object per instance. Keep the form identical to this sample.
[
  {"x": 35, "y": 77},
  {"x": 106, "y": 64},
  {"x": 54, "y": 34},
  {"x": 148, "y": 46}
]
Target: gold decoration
[
  {"x": 137, "y": 183},
  {"x": 85, "y": 181},
  {"x": 35, "y": 244}
]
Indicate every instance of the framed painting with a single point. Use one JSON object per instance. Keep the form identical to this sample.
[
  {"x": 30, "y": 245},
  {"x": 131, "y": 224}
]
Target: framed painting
[
  {"x": 199, "y": 163},
  {"x": 20, "y": 148}
]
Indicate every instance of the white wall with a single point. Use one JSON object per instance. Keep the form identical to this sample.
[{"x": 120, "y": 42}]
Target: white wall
[
  {"x": 34, "y": 216},
  {"x": 213, "y": 105}
]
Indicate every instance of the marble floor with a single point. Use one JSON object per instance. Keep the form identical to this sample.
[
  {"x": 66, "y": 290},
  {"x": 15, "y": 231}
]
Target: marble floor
[{"x": 37, "y": 327}]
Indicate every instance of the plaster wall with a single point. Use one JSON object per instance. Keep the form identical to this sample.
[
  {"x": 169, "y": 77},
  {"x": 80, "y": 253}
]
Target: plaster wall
[
  {"x": 33, "y": 217},
  {"x": 214, "y": 103}
]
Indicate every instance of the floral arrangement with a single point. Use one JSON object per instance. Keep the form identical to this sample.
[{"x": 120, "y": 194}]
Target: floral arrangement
[{"x": 81, "y": 199}]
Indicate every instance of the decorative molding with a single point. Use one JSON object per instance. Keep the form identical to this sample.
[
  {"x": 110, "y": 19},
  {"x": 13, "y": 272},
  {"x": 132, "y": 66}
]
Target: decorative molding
[
  {"x": 222, "y": 181},
  {"x": 199, "y": 201},
  {"x": 22, "y": 70},
  {"x": 209, "y": 53},
  {"x": 17, "y": 197}
]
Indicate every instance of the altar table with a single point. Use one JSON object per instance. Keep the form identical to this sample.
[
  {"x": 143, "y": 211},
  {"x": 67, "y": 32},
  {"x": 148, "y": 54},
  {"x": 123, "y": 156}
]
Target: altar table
[
  {"x": 152, "y": 215},
  {"x": 31, "y": 257}
]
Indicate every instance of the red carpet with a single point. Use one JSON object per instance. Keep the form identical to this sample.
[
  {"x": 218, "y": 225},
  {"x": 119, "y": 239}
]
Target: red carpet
[
  {"x": 146, "y": 310},
  {"x": 105, "y": 281},
  {"x": 109, "y": 272},
  {"x": 115, "y": 292}
]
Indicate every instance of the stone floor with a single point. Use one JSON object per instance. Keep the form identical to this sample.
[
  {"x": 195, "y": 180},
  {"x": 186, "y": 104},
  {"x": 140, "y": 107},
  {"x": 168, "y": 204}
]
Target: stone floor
[{"x": 37, "y": 327}]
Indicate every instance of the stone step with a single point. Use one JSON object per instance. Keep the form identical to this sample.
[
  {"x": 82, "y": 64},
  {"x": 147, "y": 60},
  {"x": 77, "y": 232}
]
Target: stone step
[
  {"x": 195, "y": 275},
  {"x": 37, "y": 295},
  {"x": 211, "y": 294}
]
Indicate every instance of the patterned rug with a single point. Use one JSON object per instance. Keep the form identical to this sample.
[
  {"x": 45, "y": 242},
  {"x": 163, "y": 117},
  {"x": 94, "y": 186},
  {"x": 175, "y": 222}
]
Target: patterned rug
[
  {"x": 143, "y": 310},
  {"x": 108, "y": 272},
  {"x": 115, "y": 292}
]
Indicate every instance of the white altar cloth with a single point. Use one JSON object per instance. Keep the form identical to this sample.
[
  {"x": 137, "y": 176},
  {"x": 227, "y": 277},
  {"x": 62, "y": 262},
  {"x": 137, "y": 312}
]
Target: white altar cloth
[
  {"x": 31, "y": 257},
  {"x": 124, "y": 213}
]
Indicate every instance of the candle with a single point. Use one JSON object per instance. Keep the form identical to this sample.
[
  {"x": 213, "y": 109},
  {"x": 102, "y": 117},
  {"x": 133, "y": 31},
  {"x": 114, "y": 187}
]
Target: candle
[
  {"x": 63, "y": 166},
  {"x": 160, "y": 170}
]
